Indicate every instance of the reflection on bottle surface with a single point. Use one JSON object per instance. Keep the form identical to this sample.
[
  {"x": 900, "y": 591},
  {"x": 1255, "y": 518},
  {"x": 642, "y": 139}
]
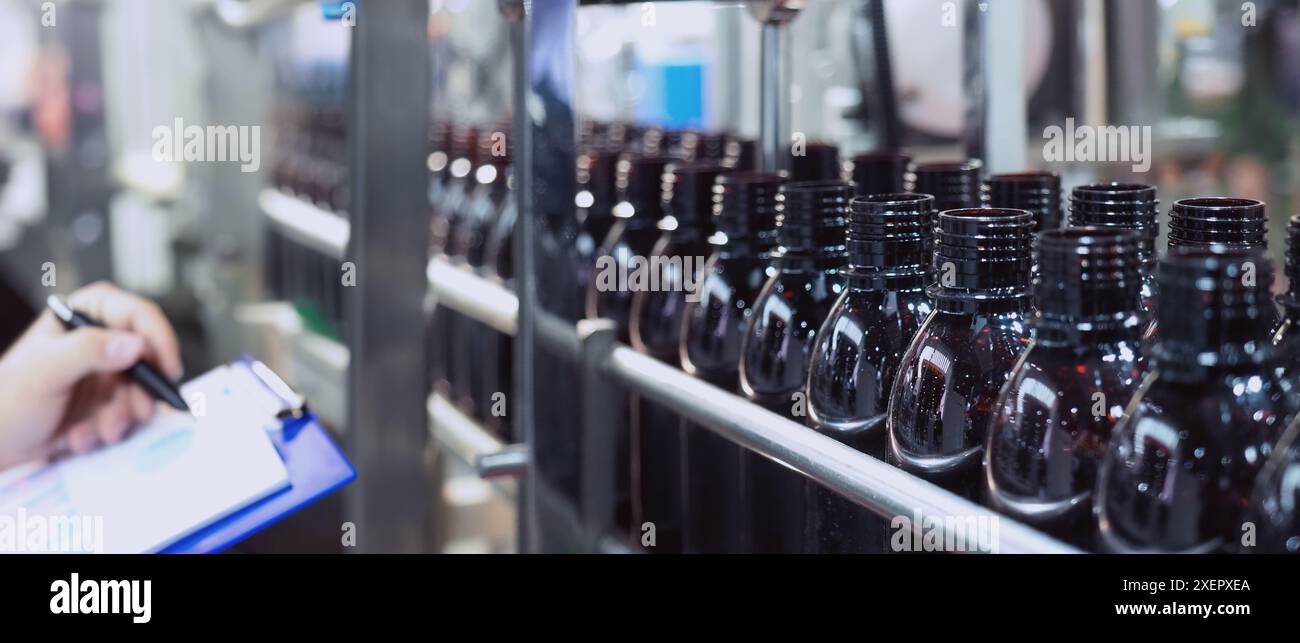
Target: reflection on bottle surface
[
  {"x": 778, "y": 343},
  {"x": 1056, "y": 413},
  {"x": 1180, "y": 466},
  {"x": 1275, "y": 502},
  {"x": 945, "y": 390},
  {"x": 630, "y": 241},
  {"x": 860, "y": 346}
]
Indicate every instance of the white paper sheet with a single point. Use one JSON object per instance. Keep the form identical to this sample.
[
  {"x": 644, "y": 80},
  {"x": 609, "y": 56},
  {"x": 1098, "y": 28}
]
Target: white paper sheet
[{"x": 168, "y": 479}]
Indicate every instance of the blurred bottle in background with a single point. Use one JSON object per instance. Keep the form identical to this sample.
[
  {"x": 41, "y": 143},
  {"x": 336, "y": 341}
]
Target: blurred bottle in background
[
  {"x": 880, "y": 173},
  {"x": 717, "y": 517},
  {"x": 1037, "y": 192},
  {"x": 655, "y": 329},
  {"x": 1131, "y": 206}
]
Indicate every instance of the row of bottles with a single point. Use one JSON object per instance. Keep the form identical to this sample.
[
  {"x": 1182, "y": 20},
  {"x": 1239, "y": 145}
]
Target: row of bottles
[
  {"x": 961, "y": 334},
  {"x": 309, "y": 164},
  {"x": 472, "y": 216},
  {"x": 925, "y": 315}
]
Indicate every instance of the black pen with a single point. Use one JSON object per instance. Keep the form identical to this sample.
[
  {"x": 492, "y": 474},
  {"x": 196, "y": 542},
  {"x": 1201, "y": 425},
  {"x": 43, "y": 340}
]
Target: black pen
[{"x": 145, "y": 375}]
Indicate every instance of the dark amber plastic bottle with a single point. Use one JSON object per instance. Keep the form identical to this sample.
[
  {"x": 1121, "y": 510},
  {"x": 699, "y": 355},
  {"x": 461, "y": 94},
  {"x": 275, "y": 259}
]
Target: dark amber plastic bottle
[
  {"x": 948, "y": 382},
  {"x": 472, "y": 361},
  {"x": 446, "y": 213},
  {"x": 631, "y": 240},
  {"x": 717, "y": 519},
  {"x": 597, "y": 195},
  {"x": 1054, "y": 417},
  {"x": 1181, "y": 464},
  {"x": 1132, "y": 206},
  {"x": 880, "y": 172},
  {"x": 859, "y": 348},
  {"x": 1037, "y": 192},
  {"x": 632, "y": 236},
  {"x": 656, "y": 330},
  {"x": 815, "y": 161},
  {"x": 953, "y": 184},
  {"x": 813, "y": 220}
]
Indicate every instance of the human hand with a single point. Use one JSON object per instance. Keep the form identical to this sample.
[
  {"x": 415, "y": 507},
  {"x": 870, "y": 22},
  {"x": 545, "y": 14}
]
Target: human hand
[{"x": 64, "y": 390}]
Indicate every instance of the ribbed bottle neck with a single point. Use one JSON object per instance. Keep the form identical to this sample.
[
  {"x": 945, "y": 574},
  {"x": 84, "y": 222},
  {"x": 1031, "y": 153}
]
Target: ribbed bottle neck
[
  {"x": 890, "y": 239},
  {"x": 1036, "y": 192},
  {"x": 1236, "y": 223},
  {"x": 640, "y": 182},
  {"x": 954, "y": 184},
  {"x": 1132, "y": 206},
  {"x": 745, "y": 212},
  {"x": 880, "y": 173},
  {"x": 1292, "y": 265},
  {"x": 1088, "y": 287},
  {"x": 982, "y": 259},
  {"x": 1214, "y": 309},
  {"x": 689, "y": 193},
  {"x": 812, "y": 223}
]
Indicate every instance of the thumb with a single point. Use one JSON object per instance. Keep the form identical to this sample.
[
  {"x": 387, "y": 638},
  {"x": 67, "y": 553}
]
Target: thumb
[{"x": 85, "y": 351}]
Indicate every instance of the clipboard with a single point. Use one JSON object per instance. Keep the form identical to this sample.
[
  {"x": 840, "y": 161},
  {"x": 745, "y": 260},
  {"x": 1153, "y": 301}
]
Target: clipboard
[{"x": 315, "y": 464}]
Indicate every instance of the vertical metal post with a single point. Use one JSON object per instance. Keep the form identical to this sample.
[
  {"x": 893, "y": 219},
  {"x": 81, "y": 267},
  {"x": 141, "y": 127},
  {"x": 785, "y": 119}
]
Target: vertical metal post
[
  {"x": 996, "y": 126},
  {"x": 599, "y": 422},
  {"x": 771, "y": 88},
  {"x": 388, "y": 94},
  {"x": 1005, "y": 127},
  {"x": 546, "y": 136},
  {"x": 1133, "y": 74},
  {"x": 774, "y": 15},
  {"x": 525, "y": 278}
]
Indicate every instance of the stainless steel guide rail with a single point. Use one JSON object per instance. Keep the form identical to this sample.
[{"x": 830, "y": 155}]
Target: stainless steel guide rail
[{"x": 873, "y": 484}]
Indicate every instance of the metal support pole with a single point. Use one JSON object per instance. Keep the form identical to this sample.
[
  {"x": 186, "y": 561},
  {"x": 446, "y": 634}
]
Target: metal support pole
[
  {"x": 599, "y": 421},
  {"x": 994, "y": 76},
  {"x": 525, "y": 278},
  {"x": 388, "y": 94},
  {"x": 772, "y": 122},
  {"x": 771, "y": 92}
]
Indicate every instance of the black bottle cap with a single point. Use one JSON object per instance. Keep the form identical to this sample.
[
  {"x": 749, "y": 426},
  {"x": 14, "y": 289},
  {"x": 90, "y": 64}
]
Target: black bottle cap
[
  {"x": 745, "y": 207},
  {"x": 813, "y": 216},
  {"x": 1089, "y": 279},
  {"x": 641, "y": 187},
  {"x": 1037, "y": 192},
  {"x": 818, "y": 162},
  {"x": 880, "y": 172},
  {"x": 1214, "y": 307},
  {"x": 983, "y": 253},
  {"x": 890, "y": 232},
  {"x": 1240, "y": 223},
  {"x": 1119, "y": 205},
  {"x": 953, "y": 184},
  {"x": 689, "y": 192}
]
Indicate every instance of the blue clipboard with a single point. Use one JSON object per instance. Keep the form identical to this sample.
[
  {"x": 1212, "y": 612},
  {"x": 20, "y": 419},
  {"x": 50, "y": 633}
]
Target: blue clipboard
[{"x": 316, "y": 466}]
